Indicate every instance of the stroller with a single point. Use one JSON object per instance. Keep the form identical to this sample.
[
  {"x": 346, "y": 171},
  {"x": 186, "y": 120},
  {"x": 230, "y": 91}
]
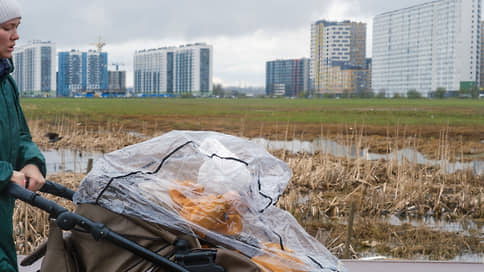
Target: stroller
[{"x": 183, "y": 201}]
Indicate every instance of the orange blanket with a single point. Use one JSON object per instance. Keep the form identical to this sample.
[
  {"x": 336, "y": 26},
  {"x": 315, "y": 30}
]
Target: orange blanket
[{"x": 213, "y": 212}]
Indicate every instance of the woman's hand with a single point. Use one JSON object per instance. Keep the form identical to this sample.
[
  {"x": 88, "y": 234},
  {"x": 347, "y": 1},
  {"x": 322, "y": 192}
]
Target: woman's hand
[
  {"x": 34, "y": 178},
  {"x": 18, "y": 178}
]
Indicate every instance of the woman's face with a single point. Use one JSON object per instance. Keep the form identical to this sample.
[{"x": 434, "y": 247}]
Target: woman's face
[{"x": 8, "y": 36}]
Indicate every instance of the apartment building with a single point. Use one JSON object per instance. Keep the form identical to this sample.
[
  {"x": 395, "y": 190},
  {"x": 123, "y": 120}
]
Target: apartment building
[
  {"x": 35, "y": 68},
  {"x": 337, "y": 44},
  {"x": 427, "y": 46},
  {"x": 80, "y": 73},
  {"x": 287, "y": 77},
  {"x": 174, "y": 70}
]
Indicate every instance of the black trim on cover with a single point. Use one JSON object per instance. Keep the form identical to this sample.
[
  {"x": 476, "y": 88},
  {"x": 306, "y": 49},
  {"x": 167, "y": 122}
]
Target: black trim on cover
[{"x": 137, "y": 172}]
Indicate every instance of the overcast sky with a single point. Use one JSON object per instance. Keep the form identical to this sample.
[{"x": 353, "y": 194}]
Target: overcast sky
[{"x": 244, "y": 33}]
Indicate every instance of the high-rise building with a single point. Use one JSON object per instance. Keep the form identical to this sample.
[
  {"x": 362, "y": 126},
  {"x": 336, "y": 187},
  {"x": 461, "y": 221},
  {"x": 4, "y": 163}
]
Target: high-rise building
[
  {"x": 427, "y": 46},
  {"x": 82, "y": 72},
  {"x": 174, "y": 70},
  {"x": 481, "y": 68},
  {"x": 288, "y": 77},
  {"x": 368, "y": 67},
  {"x": 117, "y": 81},
  {"x": 338, "y": 52},
  {"x": 35, "y": 69}
]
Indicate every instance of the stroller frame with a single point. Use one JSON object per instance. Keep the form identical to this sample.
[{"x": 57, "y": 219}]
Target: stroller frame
[{"x": 185, "y": 261}]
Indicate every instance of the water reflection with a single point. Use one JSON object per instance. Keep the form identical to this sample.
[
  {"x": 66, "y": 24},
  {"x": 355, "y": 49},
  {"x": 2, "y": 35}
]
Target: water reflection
[
  {"x": 464, "y": 226},
  {"x": 76, "y": 161},
  {"x": 339, "y": 150},
  {"x": 67, "y": 160},
  {"x": 463, "y": 258}
]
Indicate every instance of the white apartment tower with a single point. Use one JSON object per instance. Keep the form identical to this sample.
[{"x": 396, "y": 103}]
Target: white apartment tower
[
  {"x": 35, "y": 67},
  {"x": 427, "y": 46},
  {"x": 174, "y": 70}
]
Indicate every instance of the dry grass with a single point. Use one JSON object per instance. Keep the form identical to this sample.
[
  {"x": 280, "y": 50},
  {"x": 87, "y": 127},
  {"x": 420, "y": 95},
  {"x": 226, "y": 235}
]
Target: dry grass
[
  {"x": 324, "y": 185},
  {"x": 79, "y": 136},
  {"x": 323, "y": 188},
  {"x": 373, "y": 236},
  {"x": 31, "y": 224},
  {"x": 114, "y": 134}
]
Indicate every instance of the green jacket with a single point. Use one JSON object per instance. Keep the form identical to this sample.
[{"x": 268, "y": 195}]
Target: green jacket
[{"x": 16, "y": 151}]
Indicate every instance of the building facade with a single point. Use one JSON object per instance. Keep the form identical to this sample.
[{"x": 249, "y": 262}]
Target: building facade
[
  {"x": 337, "y": 44},
  {"x": 117, "y": 82},
  {"x": 35, "y": 69},
  {"x": 287, "y": 77},
  {"x": 427, "y": 46},
  {"x": 174, "y": 70},
  {"x": 341, "y": 79},
  {"x": 481, "y": 68},
  {"x": 81, "y": 73},
  {"x": 368, "y": 78}
]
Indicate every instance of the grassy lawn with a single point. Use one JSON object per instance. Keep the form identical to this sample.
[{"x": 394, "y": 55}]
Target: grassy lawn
[{"x": 383, "y": 112}]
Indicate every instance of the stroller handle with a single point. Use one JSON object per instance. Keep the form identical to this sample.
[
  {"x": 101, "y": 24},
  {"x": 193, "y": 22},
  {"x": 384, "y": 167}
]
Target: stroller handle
[
  {"x": 67, "y": 221},
  {"x": 34, "y": 199},
  {"x": 56, "y": 189}
]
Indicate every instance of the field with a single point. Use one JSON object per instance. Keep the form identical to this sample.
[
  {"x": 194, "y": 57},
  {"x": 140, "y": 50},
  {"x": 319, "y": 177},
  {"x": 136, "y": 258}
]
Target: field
[
  {"x": 373, "y": 112},
  {"x": 379, "y": 122},
  {"x": 324, "y": 187}
]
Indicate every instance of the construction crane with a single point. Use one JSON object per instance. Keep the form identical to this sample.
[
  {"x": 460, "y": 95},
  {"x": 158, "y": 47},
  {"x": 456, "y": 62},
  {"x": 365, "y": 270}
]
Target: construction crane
[{"x": 100, "y": 44}]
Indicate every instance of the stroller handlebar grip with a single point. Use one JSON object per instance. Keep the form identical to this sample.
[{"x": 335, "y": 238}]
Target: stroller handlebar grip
[
  {"x": 34, "y": 199},
  {"x": 57, "y": 190}
]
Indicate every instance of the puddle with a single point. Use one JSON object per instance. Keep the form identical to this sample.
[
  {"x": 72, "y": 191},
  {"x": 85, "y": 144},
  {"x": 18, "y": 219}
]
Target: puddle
[
  {"x": 463, "y": 258},
  {"x": 336, "y": 149},
  {"x": 469, "y": 258},
  {"x": 465, "y": 226},
  {"x": 67, "y": 160},
  {"x": 76, "y": 161}
]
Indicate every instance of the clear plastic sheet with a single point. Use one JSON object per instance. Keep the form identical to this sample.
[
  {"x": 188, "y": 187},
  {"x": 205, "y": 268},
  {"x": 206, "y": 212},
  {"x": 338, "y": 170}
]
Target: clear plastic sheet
[{"x": 219, "y": 187}]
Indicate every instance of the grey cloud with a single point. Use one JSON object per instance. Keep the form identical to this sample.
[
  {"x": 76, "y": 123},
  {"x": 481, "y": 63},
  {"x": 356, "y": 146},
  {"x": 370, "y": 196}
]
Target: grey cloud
[
  {"x": 374, "y": 7},
  {"x": 75, "y": 21},
  {"x": 78, "y": 23}
]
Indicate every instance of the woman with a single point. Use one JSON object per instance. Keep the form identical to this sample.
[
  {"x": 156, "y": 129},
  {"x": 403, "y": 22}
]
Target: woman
[{"x": 20, "y": 159}]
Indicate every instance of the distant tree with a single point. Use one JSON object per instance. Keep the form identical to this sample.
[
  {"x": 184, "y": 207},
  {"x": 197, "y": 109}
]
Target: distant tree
[
  {"x": 329, "y": 95},
  {"x": 440, "y": 93},
  {"x": 240, "y": 95},
  {"x": 234, "y": 94},
  {"x": 367, "y": 93},
  {"x": 218, "y": 90},
  {"x": 469, "y": 91},
  {"x": 464, "y": 93},
  {"x": 187, "y": 95},
  {"x": 346, "y": 93},
  {"x": 413, "y": 94},
  {"x": 309, "y": 93},
  {"x": 474, "y": 91},
  {"x": 397, "y": 95},
  {"x": 381, "y": 94}
]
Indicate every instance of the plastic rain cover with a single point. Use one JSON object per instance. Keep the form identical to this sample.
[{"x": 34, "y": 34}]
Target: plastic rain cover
[{"x": 218, "y": 187}]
